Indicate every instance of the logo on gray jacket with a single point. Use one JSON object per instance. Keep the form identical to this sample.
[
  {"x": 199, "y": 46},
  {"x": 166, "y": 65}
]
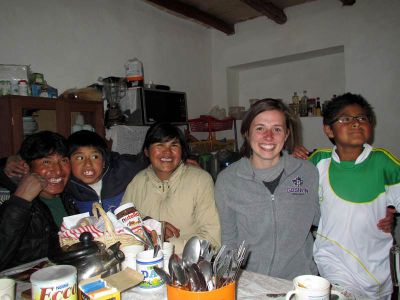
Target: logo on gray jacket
[{"x": 297, "y": 189}]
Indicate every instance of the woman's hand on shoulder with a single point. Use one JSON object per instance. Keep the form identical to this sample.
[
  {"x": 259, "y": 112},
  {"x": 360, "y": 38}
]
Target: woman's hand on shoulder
[
  {"x": 193, "y": 163},
  {"x": 387, "y": 223},
  {"x": 300, "y": 152},
  {"x": 16, "y": 167}
]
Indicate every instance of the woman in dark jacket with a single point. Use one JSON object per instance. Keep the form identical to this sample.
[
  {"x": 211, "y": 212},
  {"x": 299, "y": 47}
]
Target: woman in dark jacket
[{"x": 29, "y": 220}]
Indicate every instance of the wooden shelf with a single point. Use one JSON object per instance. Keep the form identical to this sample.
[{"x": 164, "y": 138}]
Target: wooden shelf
[{"x": 13, "y": 107}]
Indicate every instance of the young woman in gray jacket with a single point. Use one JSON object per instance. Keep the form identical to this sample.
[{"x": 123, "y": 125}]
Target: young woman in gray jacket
[{"x": 268, "y": 198}]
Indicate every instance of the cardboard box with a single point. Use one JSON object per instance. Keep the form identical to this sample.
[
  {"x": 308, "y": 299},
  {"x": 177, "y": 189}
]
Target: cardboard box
[{"x": 110, "y": 287}]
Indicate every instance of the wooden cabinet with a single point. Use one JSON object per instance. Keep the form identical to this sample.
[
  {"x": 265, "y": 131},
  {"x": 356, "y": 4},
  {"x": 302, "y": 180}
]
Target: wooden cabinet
[{"x": 13, "y": 107}]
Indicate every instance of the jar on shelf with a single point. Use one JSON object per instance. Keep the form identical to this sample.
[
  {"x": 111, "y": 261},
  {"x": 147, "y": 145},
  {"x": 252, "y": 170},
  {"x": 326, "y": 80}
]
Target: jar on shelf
[
  {"x": 23, "y": 88},
  {"x": 5, "y": 87}
]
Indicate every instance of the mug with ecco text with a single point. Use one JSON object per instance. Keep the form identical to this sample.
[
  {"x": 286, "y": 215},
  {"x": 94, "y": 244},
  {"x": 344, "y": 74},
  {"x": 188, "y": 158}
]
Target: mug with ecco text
[{"x": 7, "y": 289}]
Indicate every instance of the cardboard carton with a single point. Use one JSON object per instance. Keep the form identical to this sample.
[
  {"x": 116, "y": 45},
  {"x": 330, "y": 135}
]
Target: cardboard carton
[{"x": 110, "y": 287}]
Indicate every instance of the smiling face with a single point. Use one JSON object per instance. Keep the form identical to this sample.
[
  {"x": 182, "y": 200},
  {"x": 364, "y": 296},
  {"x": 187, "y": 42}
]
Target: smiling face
[
  {"x": 87, "y": 164},
  {"x": 55, "y": 169},
  {"x": 267, "y": 136},
  {"x": 350, "y": 137},
  {"x": 165, "y": 157}
]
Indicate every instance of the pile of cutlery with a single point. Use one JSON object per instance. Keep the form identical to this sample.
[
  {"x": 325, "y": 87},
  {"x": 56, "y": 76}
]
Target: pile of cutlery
[{"x": 201, "y": 268}]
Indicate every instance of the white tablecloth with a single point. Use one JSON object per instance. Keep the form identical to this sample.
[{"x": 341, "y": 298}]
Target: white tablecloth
[{"x": 250, "y": 286}]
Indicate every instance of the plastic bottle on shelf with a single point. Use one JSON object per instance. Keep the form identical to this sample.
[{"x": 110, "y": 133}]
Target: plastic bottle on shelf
[
  {"x": 295, "y": 98},
  {"x": 134, "y": 73},
  {"x": 318, "y": 111},
  {"x": 295, "y": 105},
  {"x": 23, "y": 88},
  {"x": 303, "y": 105}
]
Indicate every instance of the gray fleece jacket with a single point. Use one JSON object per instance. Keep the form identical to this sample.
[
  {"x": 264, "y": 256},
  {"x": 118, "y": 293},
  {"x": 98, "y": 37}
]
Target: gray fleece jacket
[{"x": 276, "y": 227}]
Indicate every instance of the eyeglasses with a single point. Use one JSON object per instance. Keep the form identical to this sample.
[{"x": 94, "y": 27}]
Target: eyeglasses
[{"x": 351, "y": 119}]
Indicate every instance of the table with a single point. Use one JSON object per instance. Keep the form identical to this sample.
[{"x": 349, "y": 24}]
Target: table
[{"x": 250, "y": 286}]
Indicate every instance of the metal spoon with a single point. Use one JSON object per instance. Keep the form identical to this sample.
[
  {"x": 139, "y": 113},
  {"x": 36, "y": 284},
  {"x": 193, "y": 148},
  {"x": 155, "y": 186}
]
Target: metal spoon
[
  {"x": 177, "y": 270},
  {"x": 164, "y": 276},
  {"x": 206, "y": 270},
  {"x": 204, "y": 247},
  {"x": 200, "y": 276},
  {"x": 148, "y": 238},
  {"x": 193, "y": 279},
  {"x": 139, "y": 238},
  {"x": 191, "y": 251}
]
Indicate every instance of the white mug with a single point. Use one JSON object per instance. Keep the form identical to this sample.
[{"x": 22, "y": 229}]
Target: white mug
[
  {"x": 130, "y": 253},
  {"x": 76, "y": 128},
  {"x": 7, "y": 289},
  {"x": 145, "y": 263},
  {"x": 310, "y": 287},
  {"x": 87, "y": 127}
]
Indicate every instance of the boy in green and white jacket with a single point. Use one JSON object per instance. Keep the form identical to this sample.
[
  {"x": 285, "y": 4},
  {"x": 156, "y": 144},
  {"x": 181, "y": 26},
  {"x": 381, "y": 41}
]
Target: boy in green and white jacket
[{"x": 357, "y": 183}]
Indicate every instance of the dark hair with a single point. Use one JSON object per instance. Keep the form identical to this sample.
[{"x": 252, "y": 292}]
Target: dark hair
[
  {"x": 42, "y": 144},
  {"x": 86, "y": 138},
  {"x": 267, "y": 105},
  {"x": 334, "y": 106},
  {"x": 164, "y": 132}
]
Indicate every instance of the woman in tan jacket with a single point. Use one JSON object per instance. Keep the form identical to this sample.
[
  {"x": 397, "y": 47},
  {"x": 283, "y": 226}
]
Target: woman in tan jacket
[{"x": 172, "y": 191}]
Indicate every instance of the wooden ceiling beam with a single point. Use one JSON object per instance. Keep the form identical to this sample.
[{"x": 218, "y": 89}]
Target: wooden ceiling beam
[
  {"x": 348, "y": 2},
  {"x": 268, "y": 9},
  {"x": 196, "y": 14}
]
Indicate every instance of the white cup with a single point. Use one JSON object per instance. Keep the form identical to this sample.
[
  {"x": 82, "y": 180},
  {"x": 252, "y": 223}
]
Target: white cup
[
  {"x": 79, "y": 120},
  {"x": 310, "y": 287},
  {"x": 168, "y": 250},
  {"x": 7, "y": 289},
  {"x": 76, "y": 128},
  {"x": 130, "y": 253},
  {"x": 87, "y": 127},
  {"x": 145, "y": 263}
]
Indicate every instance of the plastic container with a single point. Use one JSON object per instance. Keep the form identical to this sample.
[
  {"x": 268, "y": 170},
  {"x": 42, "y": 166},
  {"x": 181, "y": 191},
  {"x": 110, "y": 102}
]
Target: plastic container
[
  {"x": 227, "y": 292},
  {"x": 49, "y": 282},
  {"x": 134, "y": 73},
  {"x": 210, "y": 124},
  {"x": 23, "y": 88},
  {"x": 5, "y": 87}
]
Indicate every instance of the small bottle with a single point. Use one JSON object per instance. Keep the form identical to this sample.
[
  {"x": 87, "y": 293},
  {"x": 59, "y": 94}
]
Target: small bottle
[
  {"x": 304, "y": 105},
  {"x": 295, "y": 98},
  {"x": 23, "y": 88},
  {"x": 318, "y": 108},
  {"x": 134, "y": 73}
]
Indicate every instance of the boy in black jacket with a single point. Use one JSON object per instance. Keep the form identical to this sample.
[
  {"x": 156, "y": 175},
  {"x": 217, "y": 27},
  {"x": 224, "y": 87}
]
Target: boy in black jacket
[{"x": 98, "y": 174}]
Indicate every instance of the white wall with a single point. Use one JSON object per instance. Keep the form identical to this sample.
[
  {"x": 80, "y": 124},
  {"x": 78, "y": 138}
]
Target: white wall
[
  {"x": 73, "y": 42},
  {"x": 369, "y": 34}
]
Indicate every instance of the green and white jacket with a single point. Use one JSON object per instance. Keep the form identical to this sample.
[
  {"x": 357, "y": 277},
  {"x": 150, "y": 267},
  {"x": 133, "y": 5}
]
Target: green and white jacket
[{"x": 349, "y": 249}]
